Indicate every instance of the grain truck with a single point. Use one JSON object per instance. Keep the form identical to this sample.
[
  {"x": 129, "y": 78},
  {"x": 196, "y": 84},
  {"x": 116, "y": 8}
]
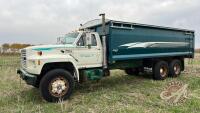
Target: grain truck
[{"x": 101, "y": 45}]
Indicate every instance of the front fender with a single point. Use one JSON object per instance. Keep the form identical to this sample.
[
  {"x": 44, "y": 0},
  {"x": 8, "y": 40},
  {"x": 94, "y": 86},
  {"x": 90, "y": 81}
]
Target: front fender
[{"x": 50, "y": 59}]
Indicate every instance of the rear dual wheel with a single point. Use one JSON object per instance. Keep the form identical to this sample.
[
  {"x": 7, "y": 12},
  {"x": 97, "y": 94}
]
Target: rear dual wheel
[
  {"x": 175, "y": 68},
  {"x": 161, "y": 69}
]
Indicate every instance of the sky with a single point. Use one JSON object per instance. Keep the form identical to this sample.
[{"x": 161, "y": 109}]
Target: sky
[{"x": 42, "y": 21}]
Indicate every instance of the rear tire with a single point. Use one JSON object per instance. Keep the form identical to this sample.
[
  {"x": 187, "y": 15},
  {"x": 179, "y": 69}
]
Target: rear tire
[
  {"x": 132, "y": 71},
  {"x": 160, "y": 70},
  {"x": 56, "y": 85},
  {"x": 175, "y": 68}
]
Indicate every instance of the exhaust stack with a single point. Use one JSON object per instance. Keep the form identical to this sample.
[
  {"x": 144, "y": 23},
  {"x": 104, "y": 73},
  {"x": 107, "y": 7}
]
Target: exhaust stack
[{"x": 104, "y": 40}]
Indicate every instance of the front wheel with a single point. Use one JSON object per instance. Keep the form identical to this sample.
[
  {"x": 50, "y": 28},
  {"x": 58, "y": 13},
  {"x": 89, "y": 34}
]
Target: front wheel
[{"x": 56, "y": 84}]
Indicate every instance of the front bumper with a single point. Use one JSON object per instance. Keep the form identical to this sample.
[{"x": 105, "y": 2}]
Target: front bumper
[{"x": 28, "y": 78}]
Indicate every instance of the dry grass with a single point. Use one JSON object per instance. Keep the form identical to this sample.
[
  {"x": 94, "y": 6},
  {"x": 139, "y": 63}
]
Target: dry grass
[{"x": 116, "y": 93}]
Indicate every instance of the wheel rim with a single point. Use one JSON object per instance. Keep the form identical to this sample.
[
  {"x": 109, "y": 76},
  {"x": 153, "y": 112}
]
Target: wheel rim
[
  {"x": 177, "y": 69},
  {"x": 58, "y": 87},
  {"x": 163, "y": 71}
]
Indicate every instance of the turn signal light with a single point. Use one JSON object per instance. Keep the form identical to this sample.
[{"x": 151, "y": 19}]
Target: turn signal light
[
  {"x": 39, "y": 53},
  {"x": 39, "y": 62}
]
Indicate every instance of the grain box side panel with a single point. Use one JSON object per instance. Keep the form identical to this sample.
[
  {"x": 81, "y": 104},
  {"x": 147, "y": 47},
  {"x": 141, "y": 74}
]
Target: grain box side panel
[{"x": 147, "y": 42}]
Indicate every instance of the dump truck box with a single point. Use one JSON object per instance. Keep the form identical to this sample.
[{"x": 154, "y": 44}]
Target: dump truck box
[{"x": 127, "y": 40}]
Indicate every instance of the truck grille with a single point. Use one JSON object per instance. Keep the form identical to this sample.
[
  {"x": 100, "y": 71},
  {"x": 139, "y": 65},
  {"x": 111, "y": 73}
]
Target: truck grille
[{"x": 23, "y": 58}]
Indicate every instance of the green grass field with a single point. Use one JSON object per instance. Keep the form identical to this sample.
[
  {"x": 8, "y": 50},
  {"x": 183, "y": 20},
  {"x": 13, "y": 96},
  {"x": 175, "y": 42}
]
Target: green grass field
[{"x": 116, "y": 93}]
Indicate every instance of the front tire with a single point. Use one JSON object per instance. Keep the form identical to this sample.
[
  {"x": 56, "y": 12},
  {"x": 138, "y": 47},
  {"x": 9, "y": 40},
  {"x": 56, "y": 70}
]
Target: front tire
[
  {"x": 160, "y": 70},
  {"x": 56, "y": 85}
]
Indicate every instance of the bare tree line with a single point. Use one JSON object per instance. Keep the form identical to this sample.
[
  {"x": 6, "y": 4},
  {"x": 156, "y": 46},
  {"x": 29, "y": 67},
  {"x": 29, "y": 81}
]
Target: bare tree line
[
  {"x": 197, "y": 50},
  {"x": 12, "y": 48}
]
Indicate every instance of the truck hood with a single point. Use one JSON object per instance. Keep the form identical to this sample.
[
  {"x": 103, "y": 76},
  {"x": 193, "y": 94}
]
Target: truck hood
[{"x": 50, "y": 47}]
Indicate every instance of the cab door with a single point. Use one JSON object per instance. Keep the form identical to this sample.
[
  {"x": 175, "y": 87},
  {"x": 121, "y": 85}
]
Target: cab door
[
  {"x": 89, "y": 51},
  {"x": 96, "y": 48}
]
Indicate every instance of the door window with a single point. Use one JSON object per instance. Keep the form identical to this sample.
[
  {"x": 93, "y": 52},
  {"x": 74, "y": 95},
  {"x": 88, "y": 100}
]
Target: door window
[
  {"x": 82, "y": 41},
  {"x": 93, "y": 39}
]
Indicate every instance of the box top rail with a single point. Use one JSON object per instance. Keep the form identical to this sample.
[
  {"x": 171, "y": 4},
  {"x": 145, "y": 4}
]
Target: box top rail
[{"x": 125, "y": 25}]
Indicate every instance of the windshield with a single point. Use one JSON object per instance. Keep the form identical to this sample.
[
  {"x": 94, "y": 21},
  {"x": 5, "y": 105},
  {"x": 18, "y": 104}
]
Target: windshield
[{"x": 68, "y": 38}]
